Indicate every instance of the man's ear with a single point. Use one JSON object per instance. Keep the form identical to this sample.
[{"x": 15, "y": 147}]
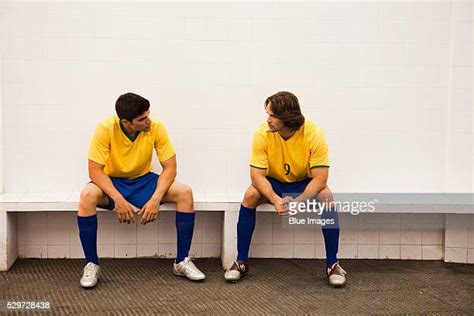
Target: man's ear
[{"x": 125, "y": 122}]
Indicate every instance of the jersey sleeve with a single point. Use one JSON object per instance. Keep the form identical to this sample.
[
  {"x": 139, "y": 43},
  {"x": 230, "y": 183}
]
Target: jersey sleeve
[
  {"x": 163, "y": 146},
  {"x": 259, "y": 154},
  {"x": 318, "y": 156},
  {"x": 99, "y": 150}
]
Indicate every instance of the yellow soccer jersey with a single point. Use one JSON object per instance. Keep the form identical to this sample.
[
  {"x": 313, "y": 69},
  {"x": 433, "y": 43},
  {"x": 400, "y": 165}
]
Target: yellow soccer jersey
[
  {"x": 289, "y": 160},
  {"x": 123, "y": 157}
]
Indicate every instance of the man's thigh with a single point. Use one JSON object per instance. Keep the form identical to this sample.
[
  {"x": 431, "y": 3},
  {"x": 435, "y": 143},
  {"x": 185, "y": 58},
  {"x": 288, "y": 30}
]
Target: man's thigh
[
  {"x": 177, "y": 191},
  {"x": 91, "y": 189}
]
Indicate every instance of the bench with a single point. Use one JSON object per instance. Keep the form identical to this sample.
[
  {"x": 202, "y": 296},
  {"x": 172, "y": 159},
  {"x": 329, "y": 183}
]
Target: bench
[
  {"x": 13, "y": 203},
  {"x": 229, "y": 203}
]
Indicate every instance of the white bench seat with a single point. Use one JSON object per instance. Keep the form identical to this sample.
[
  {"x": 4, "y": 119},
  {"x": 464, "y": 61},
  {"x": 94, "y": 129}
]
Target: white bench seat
[{"x": 228, "y": 203}]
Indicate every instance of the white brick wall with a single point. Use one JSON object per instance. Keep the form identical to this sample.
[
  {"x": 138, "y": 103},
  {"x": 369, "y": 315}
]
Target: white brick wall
[
  {"x": 55, "y": 235},
  {"x": 460, "y": 112},
  {"x": 390, "y": 83},
  {"x": 371, "y": 236},
  {"x": 1, "y": 116},
  {"x": 376, "y": 236}
]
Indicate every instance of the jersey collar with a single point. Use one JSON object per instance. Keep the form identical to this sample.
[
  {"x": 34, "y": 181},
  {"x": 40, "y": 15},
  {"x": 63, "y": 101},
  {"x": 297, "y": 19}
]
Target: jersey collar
[{"x": 132, "y": 138}]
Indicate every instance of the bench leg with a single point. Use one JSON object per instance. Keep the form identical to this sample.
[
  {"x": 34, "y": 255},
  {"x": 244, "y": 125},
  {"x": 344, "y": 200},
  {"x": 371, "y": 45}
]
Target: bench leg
[
  {"x": 229, "y": 236},
  {"x": 456, "y": 238},
  {"x": 8, "y": 239}
]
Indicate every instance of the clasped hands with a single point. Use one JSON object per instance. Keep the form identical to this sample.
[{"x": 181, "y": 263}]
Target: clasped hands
[
  {"x": 282, "y": 205},
  {"x": 126, "y": 211}
]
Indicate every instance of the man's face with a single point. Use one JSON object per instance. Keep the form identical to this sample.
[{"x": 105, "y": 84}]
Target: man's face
[
  {"x": 275, "y": 124},
  {"x": 142, "y": 123}
]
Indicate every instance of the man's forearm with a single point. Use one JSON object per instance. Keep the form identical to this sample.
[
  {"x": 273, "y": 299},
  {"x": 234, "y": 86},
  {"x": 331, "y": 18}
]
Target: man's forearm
[
  {"x": 312, "y": 190},
  {"x": 103, "y": 181},
  {"x": 264, "y": 187},
  {"x": 164, "y": 182}
]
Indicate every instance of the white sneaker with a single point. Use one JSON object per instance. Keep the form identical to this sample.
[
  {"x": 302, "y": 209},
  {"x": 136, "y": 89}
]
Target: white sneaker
[
  {"x": 90, "y": 275},
  {"x": 235, "y": 271},
  {"x": 336, "y": 275},
  {"x": 188, "y": 269}
]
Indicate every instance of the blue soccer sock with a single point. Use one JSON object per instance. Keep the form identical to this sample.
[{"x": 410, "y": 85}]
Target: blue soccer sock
[
  {"x": 331, "y": 235},
  {"x": 184, "y": 230},
  {"x": 88, "y": 234},
  {"x": 245, "y": 228}
]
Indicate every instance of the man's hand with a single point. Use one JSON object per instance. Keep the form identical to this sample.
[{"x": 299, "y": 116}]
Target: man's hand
[
  {"x": 124, "y": 211},
  {"x": 286, "y": 202},
  {"x": 281, "y": 206},
  {"x": 149, "y": 212}
]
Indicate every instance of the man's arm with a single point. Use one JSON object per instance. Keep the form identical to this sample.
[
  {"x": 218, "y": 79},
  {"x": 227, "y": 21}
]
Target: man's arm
[
  {"x": 316, "y": 185},
  {"x": 166, "y": 178},
  {"x": 99, "y": 178},
  {"x": 96, "y": 174},
  {"x": 260, "y": 182}
]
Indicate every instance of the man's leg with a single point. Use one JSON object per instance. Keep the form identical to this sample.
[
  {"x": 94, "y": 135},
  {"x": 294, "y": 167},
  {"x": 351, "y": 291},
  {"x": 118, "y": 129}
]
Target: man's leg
[
  {"x": 91, "y": 196},
  {"x": 247, "y": 220},
  {"x": 336, "y": 274},
  {"x": 330, "y": 231},
  {"x": 245, "y": 228},
  {"x": 182, "y": 195}
]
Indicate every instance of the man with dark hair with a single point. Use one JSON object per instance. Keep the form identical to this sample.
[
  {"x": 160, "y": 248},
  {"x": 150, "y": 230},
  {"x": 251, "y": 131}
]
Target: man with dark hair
[
  {"x": 120, "y": 169},
  {"x": 289, "y": 156}
]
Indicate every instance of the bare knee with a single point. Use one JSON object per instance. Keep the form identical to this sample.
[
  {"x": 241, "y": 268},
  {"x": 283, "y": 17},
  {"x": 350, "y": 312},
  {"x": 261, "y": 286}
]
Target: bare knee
[
  {"x": 252, "y": 198},
  {"x": 90, "y": 197},
  {"x": 185, "y": 199},
  {"x": 185, "y": 194}
]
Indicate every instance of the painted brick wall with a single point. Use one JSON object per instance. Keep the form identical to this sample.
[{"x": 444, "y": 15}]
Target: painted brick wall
[{"x": 390, "y": 83}]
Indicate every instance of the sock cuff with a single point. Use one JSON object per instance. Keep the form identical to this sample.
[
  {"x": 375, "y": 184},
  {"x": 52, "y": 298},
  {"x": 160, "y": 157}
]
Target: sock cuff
[
  {"x": 185, "y": 217},
  {"x": 247, "y": 209},
  {"x": 87, "y": 219}
]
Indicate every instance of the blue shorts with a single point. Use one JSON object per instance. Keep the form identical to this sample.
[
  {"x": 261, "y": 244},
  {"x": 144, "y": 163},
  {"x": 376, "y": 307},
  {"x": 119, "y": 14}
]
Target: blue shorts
[
  {"x": 288, "y": 188},
  {"x": 137, "y": 191}
]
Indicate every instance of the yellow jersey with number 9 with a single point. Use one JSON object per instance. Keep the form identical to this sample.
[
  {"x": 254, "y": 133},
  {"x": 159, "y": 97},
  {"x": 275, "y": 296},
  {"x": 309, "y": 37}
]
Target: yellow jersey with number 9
[{"x": 289, "y": 160}]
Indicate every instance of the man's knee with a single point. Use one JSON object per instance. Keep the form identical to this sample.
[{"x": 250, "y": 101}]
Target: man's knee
[
  {"x": 185, "y": 193},
  {"x": 251, "y": 197},
  {"x": 91, "y": 196},
  {"x": 182, "y": 195}
]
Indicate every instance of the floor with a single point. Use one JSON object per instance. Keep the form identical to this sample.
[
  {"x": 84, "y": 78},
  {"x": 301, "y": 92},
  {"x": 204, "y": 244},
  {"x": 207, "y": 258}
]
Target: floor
[{"x": 273, "y": 286}]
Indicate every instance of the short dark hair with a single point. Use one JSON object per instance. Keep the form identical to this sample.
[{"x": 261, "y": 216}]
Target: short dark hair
[
  {"x": 286, "y": 107},
  {"x": 130, "y": 105}
]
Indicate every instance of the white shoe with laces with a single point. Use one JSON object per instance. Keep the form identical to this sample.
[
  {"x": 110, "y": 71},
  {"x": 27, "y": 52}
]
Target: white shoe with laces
[
  {"x": 236, "y": 271},
  {"x": 188, "y": 269},
  {"x": 90, "y": 275},
  {"x": 336, "y": 275}
]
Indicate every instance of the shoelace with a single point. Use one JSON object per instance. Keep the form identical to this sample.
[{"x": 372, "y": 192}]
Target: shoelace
[
  {"x": 232, "y": 264},
  {"x": 188, "y": 264},
  {"x": 338, "y": 268},
  {"x": 240, "y": 266},
  {"x": 89, "y": 270},
  {"x": 236, "y": 263}
]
